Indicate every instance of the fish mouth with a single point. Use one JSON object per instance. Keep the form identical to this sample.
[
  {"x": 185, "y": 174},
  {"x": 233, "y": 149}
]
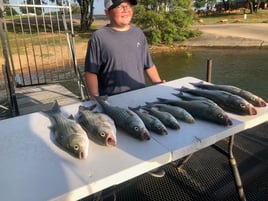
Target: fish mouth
[
  {"x": 110, "y": 142},
  {"x": 82, "y": 155},
  {"x": 145, "y": 136},
  {"x": 229, "y": 122},
  {"x": 252, "y": 110},
  {"x": 262, "y": 104},
  {"x": 164, "y": 132}
]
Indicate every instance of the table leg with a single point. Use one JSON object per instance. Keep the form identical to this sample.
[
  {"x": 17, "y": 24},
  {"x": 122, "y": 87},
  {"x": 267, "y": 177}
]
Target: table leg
[
  {"x": 180, "y": 165},
  {"x": 238, "y": 182}
]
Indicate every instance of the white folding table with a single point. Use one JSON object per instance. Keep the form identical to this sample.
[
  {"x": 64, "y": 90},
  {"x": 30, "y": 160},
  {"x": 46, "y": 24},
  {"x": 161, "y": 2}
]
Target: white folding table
[{"x": 33, "y": 167}]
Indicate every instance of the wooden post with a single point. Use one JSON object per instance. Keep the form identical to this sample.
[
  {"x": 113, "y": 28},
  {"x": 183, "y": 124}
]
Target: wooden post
[{"x": 209, "y": 70}]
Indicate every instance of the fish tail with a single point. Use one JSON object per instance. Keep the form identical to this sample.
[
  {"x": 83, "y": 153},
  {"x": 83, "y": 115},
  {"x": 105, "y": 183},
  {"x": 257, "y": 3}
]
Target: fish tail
[
  {"x": 150, "y": 104},
  {"x": 162, "y": 99},
  {"x": 83, "y": 108},
  {"x": 197, "y": 84},
  {"x": 134, "y": 108},
  {"x": 54, "y": 109},
  {"x": 103, "y": 98}
]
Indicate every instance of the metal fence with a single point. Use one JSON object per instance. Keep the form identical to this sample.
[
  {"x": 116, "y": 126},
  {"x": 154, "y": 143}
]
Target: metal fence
[{"x": 37, "y": 39}]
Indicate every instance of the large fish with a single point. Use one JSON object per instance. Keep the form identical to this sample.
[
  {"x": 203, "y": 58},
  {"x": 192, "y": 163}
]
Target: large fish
[
  {"x": 202, "y": 109},
  {"x": 125, "y": 119},
  {"x": 151, "y": 122},
  {"x": 68, "y": 133},
  {"x": 225, "y": 100},
  {"x": 250, "y": 97},
  {"x": 178, "y": 112},
  {"x": 99, "y": 126},
  {"x": 165, "y": 117}
]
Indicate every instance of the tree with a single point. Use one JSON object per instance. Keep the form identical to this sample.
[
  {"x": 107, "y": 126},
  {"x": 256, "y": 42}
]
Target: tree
[
  {"x": 165, "y": 21},
  {"x": 37, "y": 10},
  {"x": 86, "y": 10}
]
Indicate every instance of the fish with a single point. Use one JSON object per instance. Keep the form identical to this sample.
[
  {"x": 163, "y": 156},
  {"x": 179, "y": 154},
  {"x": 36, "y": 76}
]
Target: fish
[
  {"x": 165, "y": 117},
  {"x": 201, "y": 109},
  {"x": 227, "y": 101},
  {"x": 247, "y": 95},
  {"x": 187, "y": 96},
  {"x": 100, "y": 127},
  {"x": 178, "y": 112},
  {"x": 68, "y": 133},
  {"x": 126, "y": 119},
  {"x": 151, "y": 122}
]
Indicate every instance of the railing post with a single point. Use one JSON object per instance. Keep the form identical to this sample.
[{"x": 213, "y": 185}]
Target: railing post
[{"x": 209, "y": 70}]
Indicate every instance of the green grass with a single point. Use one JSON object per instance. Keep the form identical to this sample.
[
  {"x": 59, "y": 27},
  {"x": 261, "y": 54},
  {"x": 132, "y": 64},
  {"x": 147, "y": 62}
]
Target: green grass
[{"x": 233, "y": 17}]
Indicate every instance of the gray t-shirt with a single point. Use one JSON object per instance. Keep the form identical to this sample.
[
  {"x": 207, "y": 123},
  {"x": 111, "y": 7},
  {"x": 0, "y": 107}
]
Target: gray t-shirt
[{"x": 119, "y": 59}]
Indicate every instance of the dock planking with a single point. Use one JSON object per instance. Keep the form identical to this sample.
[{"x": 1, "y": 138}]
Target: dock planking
[{"x": 40, "y": 97}]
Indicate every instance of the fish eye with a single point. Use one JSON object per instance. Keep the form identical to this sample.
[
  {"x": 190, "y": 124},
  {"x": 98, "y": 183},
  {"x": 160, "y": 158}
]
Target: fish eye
[
  {"x": 76, "y": 147},
  {"x": 102, "y": 134},
  {"x": 242, "y": 106},
  {"x": 220, "y": 116},
  {"x": 136, "y": 128},
  {"x": 253, "y": 98}
]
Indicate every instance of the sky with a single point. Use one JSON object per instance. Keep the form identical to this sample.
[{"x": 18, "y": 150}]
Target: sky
[{"x": 99, "y": 6}]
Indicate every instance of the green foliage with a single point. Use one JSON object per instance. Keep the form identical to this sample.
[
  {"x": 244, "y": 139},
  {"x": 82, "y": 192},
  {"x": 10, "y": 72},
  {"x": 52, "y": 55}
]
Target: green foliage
[
  {"x": 164, "y": 24},
  {"x": 36, "y": 10}
]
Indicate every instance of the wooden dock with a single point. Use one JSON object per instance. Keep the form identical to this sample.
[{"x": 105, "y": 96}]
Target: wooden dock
[{"x": 40, "y": 97}]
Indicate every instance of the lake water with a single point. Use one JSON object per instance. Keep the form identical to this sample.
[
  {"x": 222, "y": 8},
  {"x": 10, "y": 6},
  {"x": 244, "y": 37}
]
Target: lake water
[{"x": 246, "y": 68}]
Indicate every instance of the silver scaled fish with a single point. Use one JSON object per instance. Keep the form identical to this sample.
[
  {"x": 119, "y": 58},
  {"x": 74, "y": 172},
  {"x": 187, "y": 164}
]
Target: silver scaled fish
[
  {"x": 68, "y": 133},
  {"x": 227, "y": 101},
  {"x": 178, "y": 112},
  {"x": 165, "y": 117},
  {"x": 100, "y": 127},
  {"x": 250, "y": 97},
  {"x": 202, "y": 109},
  {"x": 126, "y": 119},
  {"x": 151, "y": 122}
]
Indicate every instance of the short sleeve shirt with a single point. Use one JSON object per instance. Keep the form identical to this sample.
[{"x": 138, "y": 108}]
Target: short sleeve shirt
[{"x": 119, "y": 59}]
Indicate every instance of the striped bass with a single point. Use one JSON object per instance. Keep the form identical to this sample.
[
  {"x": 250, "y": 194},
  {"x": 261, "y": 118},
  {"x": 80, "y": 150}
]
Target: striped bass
[
  {"x": 250, "y": 97},
  {"x": 151, "y": 122},
  {"x": 201, "y": 109},
  {"x": 125, "y": 119},
  {"x": 227, "y": 101},
  {"x": 178, "y": 112},
  {"x": 99, "y": 127},
  {"x": 68, "y": 133},
  {"x": 166, "y": 118}
]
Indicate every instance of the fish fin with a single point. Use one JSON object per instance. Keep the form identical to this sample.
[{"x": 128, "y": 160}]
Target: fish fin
[{"x": 71, "y": 117}]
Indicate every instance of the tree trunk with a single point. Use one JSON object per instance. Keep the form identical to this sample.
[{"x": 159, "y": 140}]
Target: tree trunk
[{"x": 86, "y": 10}]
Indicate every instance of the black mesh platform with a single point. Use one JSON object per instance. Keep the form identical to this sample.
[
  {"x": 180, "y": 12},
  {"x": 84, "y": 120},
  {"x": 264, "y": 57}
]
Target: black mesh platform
[{"x": 206, "y": 176}]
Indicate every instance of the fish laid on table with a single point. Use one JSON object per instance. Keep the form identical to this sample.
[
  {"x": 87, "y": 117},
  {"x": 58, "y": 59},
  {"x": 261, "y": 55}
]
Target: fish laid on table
[
  {"x": 227, "y": 101},
  {"x": 68, "y": 133},
  {"x": 126, "y": 119},
  {"x": 151, "y": 122},
  {"x": 178, "y": 112},
  {"x": 165, "y": 117},
  {"x": 202, "y": 109},
  {"x": 99, "y": 126},
  {"x": 250, "y": 97}
]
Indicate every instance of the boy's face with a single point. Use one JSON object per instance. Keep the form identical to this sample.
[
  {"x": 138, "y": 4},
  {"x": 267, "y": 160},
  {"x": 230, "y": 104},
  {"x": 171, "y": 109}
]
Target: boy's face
[{"x": 121, "y": 15}]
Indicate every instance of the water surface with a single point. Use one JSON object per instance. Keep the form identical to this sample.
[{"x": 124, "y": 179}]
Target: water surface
[{"x": 246, "y": 68}]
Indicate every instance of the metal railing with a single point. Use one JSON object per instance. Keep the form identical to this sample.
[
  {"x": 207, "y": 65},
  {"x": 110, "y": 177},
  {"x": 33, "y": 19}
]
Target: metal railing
[{"x": 38, "y": 43}]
